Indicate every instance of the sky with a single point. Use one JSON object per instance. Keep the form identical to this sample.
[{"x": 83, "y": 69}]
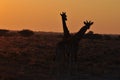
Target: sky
[{"x": 44, "y": 15}]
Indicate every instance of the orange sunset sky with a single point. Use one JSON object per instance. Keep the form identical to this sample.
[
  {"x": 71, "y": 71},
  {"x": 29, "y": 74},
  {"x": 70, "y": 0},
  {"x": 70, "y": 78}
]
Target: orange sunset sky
[{"x": 44, "y": 15}]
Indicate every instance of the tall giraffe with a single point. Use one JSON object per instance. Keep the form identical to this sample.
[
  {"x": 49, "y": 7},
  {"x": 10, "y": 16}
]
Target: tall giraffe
[
  {"x": 69, "y": 45},
  {"x": 66, "y": 50},
  {"x": 75, "y": 39},
  {"x": 65, "y": 29}
]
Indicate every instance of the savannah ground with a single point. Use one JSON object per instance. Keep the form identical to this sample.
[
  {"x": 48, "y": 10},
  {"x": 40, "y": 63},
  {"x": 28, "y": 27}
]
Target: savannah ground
[{"x": 33, "y": 58}]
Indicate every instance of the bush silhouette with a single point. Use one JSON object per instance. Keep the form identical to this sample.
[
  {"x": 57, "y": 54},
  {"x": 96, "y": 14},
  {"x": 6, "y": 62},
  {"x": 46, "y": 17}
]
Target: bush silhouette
[
  {"x": 26, "y": 33},
  {"x": 3, "y": 32},
  {"x": 119, "y": 37},
  {"x": 107, "y": 37},
  {"x": 90, "y": 32},
  {"x": 91, "y": 35}
]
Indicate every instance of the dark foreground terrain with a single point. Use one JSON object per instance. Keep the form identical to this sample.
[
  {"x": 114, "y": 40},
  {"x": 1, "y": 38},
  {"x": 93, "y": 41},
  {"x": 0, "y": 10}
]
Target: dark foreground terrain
[{"x": 33, "y": 58}]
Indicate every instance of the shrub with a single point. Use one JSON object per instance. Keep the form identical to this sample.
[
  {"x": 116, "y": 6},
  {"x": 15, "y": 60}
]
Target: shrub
[
  {"x": 107, "y": 37},
  {"x": 91, "y": 35},
  {"x": 98, "y": 36},
  {"x": 3, "y": 32},
  {"x": 26, "y": 33},
  {"x": 90, "y": 32},
  {"x": 119, "y": 37}
]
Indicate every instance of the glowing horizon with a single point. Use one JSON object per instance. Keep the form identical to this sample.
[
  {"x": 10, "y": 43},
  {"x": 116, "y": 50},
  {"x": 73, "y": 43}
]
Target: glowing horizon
[{"x": 43, "y": 15}]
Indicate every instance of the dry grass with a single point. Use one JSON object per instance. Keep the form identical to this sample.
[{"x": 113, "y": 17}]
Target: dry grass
[{"x": 32, "y": 58}]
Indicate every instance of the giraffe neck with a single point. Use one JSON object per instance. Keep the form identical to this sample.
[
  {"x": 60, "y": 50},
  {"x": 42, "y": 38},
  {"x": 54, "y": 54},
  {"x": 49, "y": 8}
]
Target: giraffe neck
[
  {"x": 79, "y": 35},
  {"x": 65, "y": 29}
]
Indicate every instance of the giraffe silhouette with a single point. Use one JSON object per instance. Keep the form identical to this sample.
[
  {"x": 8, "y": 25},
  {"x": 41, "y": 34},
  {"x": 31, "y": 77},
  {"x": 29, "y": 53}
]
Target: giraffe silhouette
[
  {"x": 65, "y": 29},
  {"x": 68, "y": 47}
]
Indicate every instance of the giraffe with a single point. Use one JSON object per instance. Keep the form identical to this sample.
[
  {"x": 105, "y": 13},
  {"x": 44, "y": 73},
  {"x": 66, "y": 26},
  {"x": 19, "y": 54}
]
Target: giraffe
[
  {"x": 66, "y": 50},
  {"x": 75, "y": 39},
  {"x": 65, "y": 29},
  {"x": 69, "y": 45}
]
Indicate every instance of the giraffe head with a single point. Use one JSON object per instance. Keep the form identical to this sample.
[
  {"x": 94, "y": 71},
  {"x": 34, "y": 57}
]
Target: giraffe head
[
  {"x": 64, "y": 16},
  {"x": 88, "y": 24}
]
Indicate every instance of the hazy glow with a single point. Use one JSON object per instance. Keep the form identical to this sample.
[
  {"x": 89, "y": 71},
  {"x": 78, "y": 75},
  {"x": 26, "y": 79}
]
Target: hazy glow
[{"x": 43, "y": 15}]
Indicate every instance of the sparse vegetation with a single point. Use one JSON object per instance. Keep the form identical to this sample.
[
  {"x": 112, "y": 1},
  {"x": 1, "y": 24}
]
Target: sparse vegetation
[
  {"x": 91, "y": 35},
  {"x": 32, "y": 58},
  {"x": 107, "y": 37},
  {"x": 3, "y": 32},
  {"x": 26, "y": 33},
  {"x": 119, "y": 37}
]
